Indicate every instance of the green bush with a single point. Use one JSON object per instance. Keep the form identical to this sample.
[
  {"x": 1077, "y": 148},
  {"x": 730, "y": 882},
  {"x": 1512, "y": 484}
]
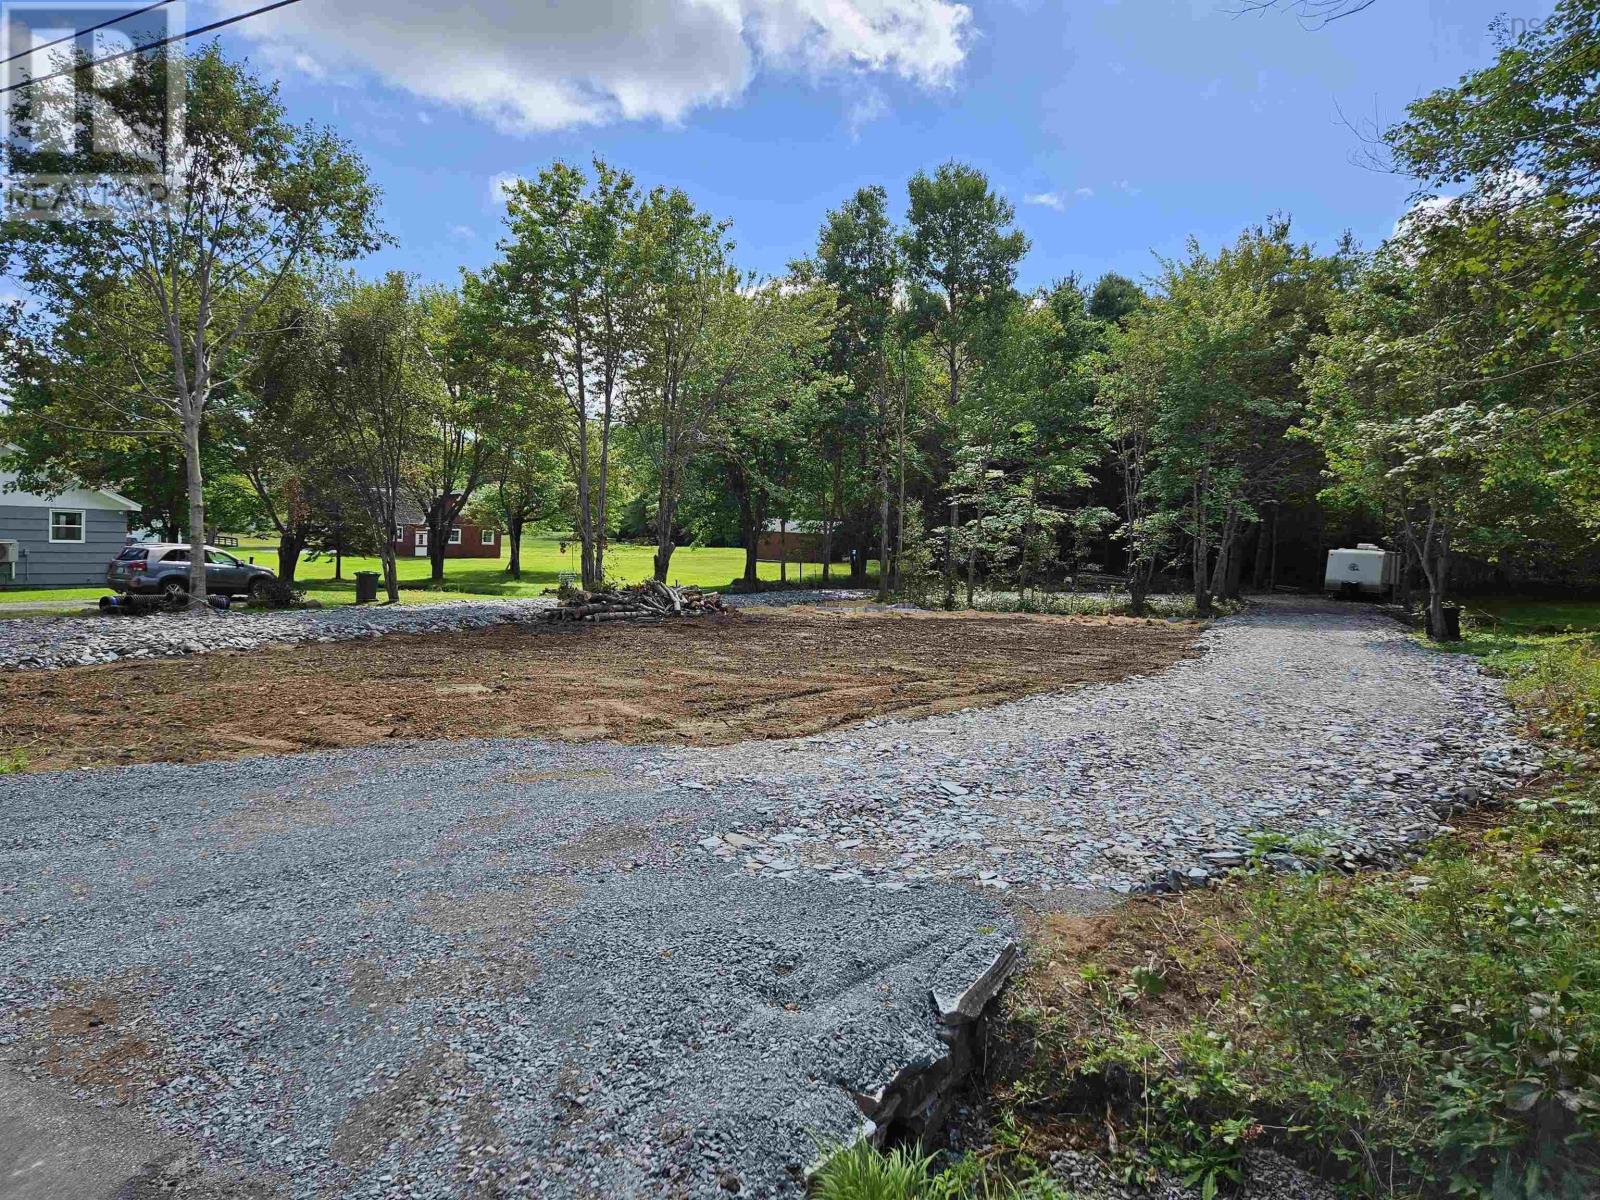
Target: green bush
[
  {"x": 1441, "y": 1030},
  {"x": 1562, "y": 686},
  {"x": 13, "y": 762}
]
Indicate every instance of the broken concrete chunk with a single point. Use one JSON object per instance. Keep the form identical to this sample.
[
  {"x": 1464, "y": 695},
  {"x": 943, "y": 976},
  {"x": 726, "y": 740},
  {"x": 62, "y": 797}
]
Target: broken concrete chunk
[{"x": 972, "y": 978}]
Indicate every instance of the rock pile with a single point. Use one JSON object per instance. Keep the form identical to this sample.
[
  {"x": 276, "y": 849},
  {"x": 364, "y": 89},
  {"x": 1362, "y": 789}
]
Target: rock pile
[{"x": 84, "y": 641}]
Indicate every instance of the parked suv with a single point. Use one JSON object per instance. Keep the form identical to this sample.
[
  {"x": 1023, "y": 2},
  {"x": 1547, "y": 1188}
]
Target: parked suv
[{"x": 162, "y": 568}]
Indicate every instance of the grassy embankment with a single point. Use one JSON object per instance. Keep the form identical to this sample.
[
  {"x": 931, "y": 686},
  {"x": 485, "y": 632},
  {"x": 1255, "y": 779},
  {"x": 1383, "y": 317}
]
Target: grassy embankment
[
  {"x": 1429, "y": 1031},
  {"x": 543, "y": 563}
]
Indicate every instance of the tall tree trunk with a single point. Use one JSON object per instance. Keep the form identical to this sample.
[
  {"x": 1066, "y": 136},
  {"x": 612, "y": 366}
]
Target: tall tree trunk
[
  {"x": 439, "y": 521},
  {"x": 514, "y": 532},
  {"x": 748, "y": 530},
  {"x": 197, "y": 507},
  {"x": 391, "y": 573},
  {"x": 601, "y": 496},
  {"x": 950, "y": 555},
  {"x": 977, "y": 536},
  {"x": 1138, "y": 589},
  {"x": 1201, "y": 552},
  {"x": 900, "y": 509},
  {"x": 666, "y": 514},
  {"x": 827, "y": 538},
  {"x": 290, "y": 546},
  {"x": 1436, "y": 566},
  {"x": 1226, "y": 550},
  {"x": 884, "y": 589}
]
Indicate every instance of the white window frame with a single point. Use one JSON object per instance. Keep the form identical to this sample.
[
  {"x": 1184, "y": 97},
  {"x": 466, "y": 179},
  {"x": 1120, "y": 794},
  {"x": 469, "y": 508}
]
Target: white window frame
[
  {"x": 422, "y": 537},
  {"x": 455, "y": 535},
  {"x": 399, "y": 533},
  {"x": 83, "y": 526},
  {"x": 488, "y": 536}
]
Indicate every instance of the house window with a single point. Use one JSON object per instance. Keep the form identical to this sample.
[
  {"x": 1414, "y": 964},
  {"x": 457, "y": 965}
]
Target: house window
[
  {"x": 422, "y": 537},
  {"x": 455, "y": 535},
  {"x": 399, "y": 533},
  {"x": 66, "y": 525},
  {"x": 488, "y": 537}
]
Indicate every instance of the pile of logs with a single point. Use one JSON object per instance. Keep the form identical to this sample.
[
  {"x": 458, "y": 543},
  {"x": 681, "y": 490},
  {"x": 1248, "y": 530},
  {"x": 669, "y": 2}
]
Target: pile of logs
[{"x": 647, "y": 601}]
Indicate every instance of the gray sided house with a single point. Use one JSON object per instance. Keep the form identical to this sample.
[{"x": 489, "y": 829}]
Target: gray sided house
[{"x": 59, "y": 541}]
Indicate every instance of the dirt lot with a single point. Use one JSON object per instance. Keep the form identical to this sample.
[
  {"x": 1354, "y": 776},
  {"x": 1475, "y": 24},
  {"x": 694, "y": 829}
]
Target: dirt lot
[{"x": 703, "y": 681}]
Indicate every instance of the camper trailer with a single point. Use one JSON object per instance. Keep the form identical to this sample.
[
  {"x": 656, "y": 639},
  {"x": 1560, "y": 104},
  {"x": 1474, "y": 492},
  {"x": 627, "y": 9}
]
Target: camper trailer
[{"x": 1367, "y": 570}]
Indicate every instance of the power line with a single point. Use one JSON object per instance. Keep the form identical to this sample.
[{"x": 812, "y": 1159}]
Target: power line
[
  {"x": 76, "y": 34},
  {"x": 176, "y": 37}
]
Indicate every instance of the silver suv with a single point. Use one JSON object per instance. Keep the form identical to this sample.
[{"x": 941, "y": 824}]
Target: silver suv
[{"x": 162, "y": 569}]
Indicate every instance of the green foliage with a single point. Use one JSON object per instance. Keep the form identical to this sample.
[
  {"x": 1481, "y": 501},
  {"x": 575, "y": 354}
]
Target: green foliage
[
  {"x": 862, "y": 1172},
  {"x": 1200, "y": 395},
  {"x": 13, "y": 762},
  {"x": 1562, "y": 687}
]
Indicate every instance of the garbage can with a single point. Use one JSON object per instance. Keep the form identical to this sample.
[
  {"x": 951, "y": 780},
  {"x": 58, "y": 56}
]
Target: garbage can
[{"x": 366, "y": 587}]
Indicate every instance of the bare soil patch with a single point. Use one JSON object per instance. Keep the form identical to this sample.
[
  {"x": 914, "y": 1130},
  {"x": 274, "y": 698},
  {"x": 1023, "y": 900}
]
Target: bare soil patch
[{"x": 704, "y": 680}]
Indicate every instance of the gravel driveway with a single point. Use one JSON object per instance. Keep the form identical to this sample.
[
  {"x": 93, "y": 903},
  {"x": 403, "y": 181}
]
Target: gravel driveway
[
  {"x": 1321, "y": 723},
  {"x": 515, "y": 967}
]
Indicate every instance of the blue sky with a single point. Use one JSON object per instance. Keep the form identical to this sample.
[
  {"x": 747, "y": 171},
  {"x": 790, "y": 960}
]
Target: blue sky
[{"x": 1131, "y": 123}]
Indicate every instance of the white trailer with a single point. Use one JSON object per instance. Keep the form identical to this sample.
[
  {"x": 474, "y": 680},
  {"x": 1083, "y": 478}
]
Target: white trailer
[{"x": 1367, "y": 570}]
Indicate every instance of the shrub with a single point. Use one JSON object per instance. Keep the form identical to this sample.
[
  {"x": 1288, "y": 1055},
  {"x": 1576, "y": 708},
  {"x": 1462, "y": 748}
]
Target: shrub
[
  {"x": 1562, "y": 686},
  {"x": 275, "y": 593}
]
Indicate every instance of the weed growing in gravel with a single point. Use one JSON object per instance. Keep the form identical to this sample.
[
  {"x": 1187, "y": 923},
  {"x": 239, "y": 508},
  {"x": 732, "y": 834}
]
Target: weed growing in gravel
[
  {"x": 863, "y": 1172},
  {"x": 13, "y": 762}
]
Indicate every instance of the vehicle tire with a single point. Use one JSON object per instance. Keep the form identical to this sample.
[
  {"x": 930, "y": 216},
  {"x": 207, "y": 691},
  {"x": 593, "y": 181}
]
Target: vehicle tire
[
  {"x": 175, "y": 592},
  {"x": 258, "y": 588}
]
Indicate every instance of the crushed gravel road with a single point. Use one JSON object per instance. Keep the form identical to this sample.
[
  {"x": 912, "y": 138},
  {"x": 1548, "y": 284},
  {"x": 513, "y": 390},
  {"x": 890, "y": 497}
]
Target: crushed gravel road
[
  {"x": 1322, "y": 724},
  {"x": 457, "y": 967},
  {"x": 475, "y": 968}
]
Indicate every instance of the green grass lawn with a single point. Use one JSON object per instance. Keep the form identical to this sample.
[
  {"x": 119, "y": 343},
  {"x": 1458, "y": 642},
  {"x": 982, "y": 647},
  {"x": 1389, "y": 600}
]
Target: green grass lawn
[
  {"x": 542, "y": 567},
  {"x": 1510, "y": 634}
]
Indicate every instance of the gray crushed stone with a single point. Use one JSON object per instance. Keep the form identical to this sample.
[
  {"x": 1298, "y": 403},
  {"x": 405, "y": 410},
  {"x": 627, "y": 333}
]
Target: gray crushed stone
[
  {"x": 797, "y": 596},
  {"x": 1322, "y": 725},
  {"x": 1266, "y": 1176},
  {"x": 463, "y": 969},
  {"x": 521, "y": 968},
  {"x": 83, "y": 641}
]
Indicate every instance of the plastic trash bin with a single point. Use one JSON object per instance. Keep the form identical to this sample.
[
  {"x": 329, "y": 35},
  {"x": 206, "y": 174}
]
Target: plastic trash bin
[{"x": 366, "y": 587}]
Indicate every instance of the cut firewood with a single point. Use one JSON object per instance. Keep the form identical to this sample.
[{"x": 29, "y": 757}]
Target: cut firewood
[{"x": 645, "y": 601}]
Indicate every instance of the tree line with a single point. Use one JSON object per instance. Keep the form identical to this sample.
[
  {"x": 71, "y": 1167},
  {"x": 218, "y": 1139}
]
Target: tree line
[{"x": 614, "y": 371}]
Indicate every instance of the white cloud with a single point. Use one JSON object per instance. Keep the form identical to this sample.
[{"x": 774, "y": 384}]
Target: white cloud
[
  {"x": 499, "y": 185},
  {"x": 866, "y": 108},
  {"x": 462, "y": 233},
  {"x": 1084, "y": 193},
  {"x": 555, "y": 64},
  {"x": 1045, "y": 200}
]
